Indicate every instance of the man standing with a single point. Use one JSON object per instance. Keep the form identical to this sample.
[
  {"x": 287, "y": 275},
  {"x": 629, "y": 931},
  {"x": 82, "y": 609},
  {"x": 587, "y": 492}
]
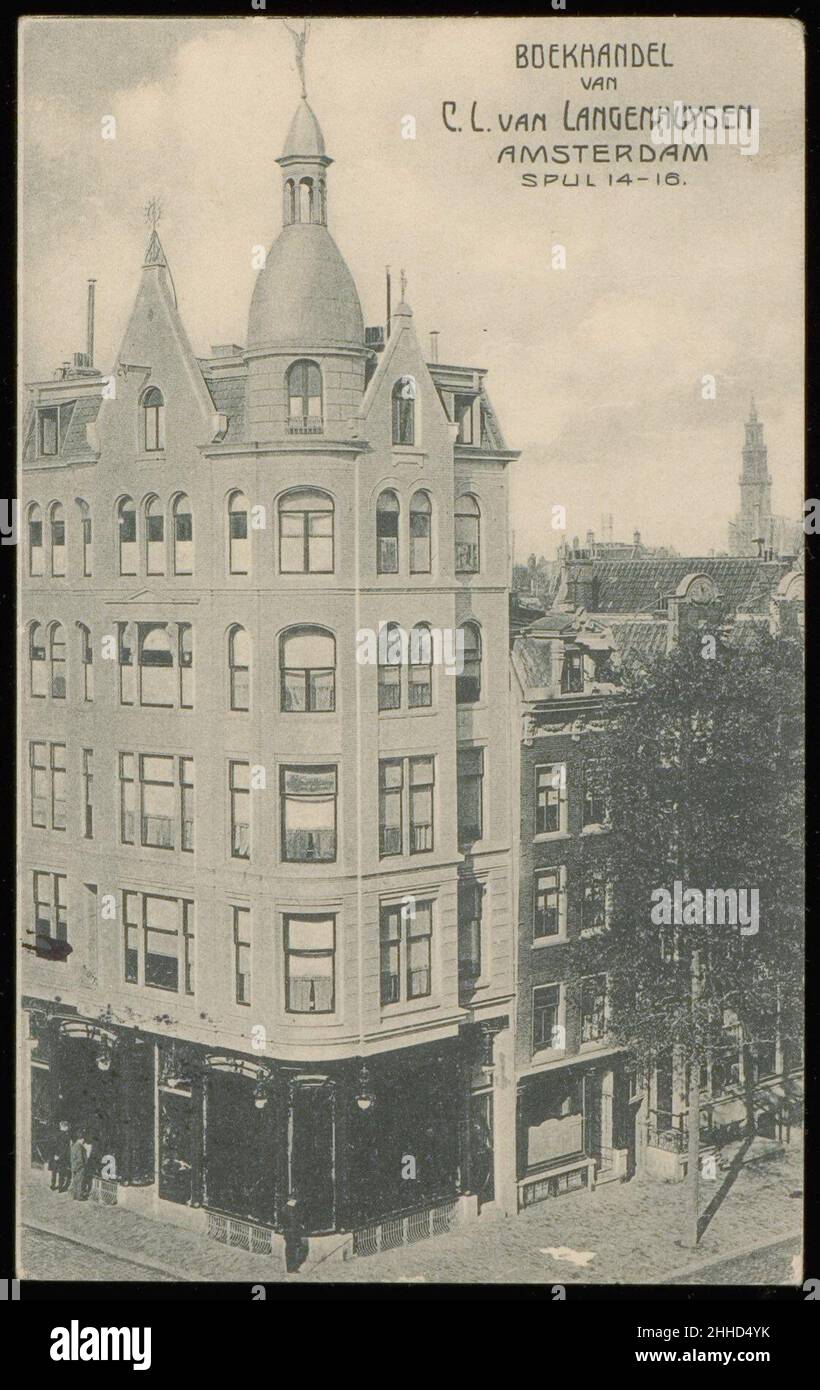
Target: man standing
[
  {"x": 80, "y": 1149},
  {"x": 59, "y": 1162}
]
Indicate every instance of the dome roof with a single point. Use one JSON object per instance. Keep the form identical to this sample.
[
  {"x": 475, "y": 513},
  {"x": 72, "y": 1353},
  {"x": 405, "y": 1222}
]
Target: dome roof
[
  {"x": 305, "y": 134},
  {"x": 305, "y": 297}
]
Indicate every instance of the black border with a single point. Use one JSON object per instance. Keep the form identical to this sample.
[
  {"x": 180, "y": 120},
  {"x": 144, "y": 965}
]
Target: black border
[{"x": 697, "y": 1296}]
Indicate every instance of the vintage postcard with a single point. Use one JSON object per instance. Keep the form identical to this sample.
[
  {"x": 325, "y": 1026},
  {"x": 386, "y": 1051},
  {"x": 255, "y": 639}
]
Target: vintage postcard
[{"x": 411, "y": 536}]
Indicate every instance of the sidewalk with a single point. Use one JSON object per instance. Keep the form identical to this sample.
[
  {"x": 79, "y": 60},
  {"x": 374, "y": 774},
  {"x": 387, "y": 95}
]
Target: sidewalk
[{"x": 628, "y": 1234}]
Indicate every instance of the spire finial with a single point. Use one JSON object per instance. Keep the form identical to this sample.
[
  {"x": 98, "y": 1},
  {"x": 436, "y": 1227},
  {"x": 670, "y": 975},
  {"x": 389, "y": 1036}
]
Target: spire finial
[
  {"x": 153, "y": 212},
  {"x": 300, "y": 44},
  {"x": 753, "y": 415},
  {"x": 403, "y": 284}
]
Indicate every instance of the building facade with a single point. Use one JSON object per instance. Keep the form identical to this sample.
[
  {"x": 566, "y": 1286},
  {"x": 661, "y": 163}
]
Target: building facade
[{"x": 265, "y": 849}]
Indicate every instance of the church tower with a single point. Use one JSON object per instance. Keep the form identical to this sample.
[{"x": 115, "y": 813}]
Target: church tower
[{"x": 753, "y": 522}]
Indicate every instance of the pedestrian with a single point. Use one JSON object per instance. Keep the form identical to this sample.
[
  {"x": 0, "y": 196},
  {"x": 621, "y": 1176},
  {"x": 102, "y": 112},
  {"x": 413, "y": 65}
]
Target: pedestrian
[
  {"x": 80, "y": 1149},
  {"x": 59, "y": 1162},
  {"x": 296, "y": 1246}
]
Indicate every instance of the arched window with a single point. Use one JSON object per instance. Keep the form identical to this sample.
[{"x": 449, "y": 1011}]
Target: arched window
[
  {"x": 56, "y": 518},
  {"x": 239, "y": 544},
  {"x": 290, "y": 202},
  {"x": 56, "y": 656},
  {"x": 304, "y": 380},
  {"x": 404, "y": 410},
  {"x": 153, "y": 415},
  {"x": 305, "y": 533},
  {"x": 239, "y": 668},
  {"x": 420, "y": 669},
  {"x": 391, "y": 654},
  {"x": 468, "y": 684},
  {"x": 186, "y": 665},
  {"x": 468, "y": 522},
  {"x": 86, "y": 661},
  {"x": 37, "y": 660},
  {"x": 307, "y": 666},
  {"x": 387, "y": 533},
  {"x": 156, "y": 661},
  {"x": 154, "y": 537},
  {"x": 36, "y": 556},
  {"x": 420, "y": 533},
  {"x": 127, "y": 535},
  {"x": 306, "y": 200},
  {"x": 183, "y": 536},
  {"x": 85, "y": 537}
]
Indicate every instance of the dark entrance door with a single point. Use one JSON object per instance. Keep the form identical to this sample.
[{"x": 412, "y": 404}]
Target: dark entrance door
[
  {"x": 88, "y": 1096},
  {"x": 176, "y": 1145},
  {"x": 312, "y": 1153},
  {"x": 239, "y": 1148},
  {"x": 481, "y": 1147}
]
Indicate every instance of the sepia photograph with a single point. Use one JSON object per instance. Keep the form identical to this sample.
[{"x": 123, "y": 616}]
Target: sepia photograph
[{"x": 410, "y": 545}]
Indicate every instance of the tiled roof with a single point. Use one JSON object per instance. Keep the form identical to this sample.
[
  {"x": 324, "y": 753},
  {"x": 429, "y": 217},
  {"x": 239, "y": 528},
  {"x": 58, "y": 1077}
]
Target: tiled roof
[
  {"x": 229, "y": 398},
  {"x": 531, "y": 657},
  {"x": 635, "y": 586},
  {"x": 84, "y": 413}
]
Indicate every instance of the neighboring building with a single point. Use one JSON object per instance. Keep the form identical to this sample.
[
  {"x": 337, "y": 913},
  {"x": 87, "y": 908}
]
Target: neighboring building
[
  {"x": 265, "y": 882},
  {"x": 582, "y": 1118},
  {"x": 755, "y": 530}
]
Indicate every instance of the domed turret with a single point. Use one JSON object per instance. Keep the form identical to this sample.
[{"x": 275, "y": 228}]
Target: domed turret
[{"x": 305, "y": 296}]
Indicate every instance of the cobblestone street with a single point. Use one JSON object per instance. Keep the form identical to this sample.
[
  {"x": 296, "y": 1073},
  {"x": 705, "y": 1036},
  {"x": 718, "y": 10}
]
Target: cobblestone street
[{"x": 630, "y": 1233}]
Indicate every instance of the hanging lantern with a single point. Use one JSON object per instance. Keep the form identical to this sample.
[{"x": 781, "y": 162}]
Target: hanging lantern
[{"x": 365, "y": 1098}]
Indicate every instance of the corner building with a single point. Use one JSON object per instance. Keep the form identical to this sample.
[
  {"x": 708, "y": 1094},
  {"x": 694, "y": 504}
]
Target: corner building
[{"x": 266, "y": 876}]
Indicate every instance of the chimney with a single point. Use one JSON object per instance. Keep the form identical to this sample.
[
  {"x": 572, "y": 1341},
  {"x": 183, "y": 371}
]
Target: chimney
[
  {"x": 636, "y": 537},
  {"x": 434, "y": 332},
  {"x": 90, "y": 331}
]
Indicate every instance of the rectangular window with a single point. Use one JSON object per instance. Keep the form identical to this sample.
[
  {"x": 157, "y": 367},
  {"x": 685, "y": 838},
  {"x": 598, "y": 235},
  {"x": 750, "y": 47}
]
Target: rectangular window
[
  {"x": 595, "y": 812},
  {"x": 239, "y": 790},
  {"x": 422, "y": 778},
  {"x": 405, "y": 932},
  {"x": 158, "y": 798},
  {"x": 597, "y": 897},
  {"x": 87, "y": 552},
  {"x": 309, "y": 964},
  {"x": 551, "y": 799},
  {"x": 470, "y": 909},
  {"x": 550, "y": 903},
  {"x": 308, "y": 798},
  {"x": 593, "y": 1008},
  {"x": 128, "y": 800},
  {"x": 186, "y": 803},
  {"x": 159, "y": 941},
  {"x": 470, "y": 795},
  {"x": 242, "y": 954},
  {"x": 88, "y": 793},
  {"x": 546, "y": 1009},
  {"x": 50, "y": 914},
  {"x": 39, "y": 784},
  {"x": 391, "y": 786},
  {"x": 125, "y": 661}
]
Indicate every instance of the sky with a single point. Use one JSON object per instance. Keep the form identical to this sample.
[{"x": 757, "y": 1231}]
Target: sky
[{"x": 595, "y": 370}]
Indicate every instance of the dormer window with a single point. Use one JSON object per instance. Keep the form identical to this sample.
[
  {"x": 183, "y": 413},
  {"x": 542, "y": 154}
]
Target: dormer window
[
  {"x": 463, "y": 414},
  {"x": 153, "y": 412},
  {"x": 572, "y": 675},
  {"x": 304, "y": 398},
  {"x": 48, "y": 426},
  {"x": 404, "y": 411}
]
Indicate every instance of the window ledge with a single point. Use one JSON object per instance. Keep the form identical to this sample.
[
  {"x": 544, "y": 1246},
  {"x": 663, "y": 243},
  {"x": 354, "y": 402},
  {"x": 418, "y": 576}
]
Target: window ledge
[
  {"x": 546, "y": 836},
  {"x": 556, "y": 940},
  {"x": 409, "y": 1006},
  {"x": 596, "y": 829},
  {"x": 156, "y": 456}
]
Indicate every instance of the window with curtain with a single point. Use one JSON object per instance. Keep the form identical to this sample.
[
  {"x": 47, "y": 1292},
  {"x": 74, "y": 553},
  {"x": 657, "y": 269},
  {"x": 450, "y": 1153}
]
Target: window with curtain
[
  {"x": 467, "y": 535},
  {"x": 304, "y": 386},
  {"x": 308, "y": 814},
  {"x": 239, "y": 543},
  {"x": 387, "y": 533},
  {"x": 307, "y": 664},
  {"x": 239, "y": 668},
  {"x": 404, "y": 410},
  {"x": 468, "y": 684},
  {"x": 310, "y": 963},
  {"x": 153, "y": 420},
  {"x": 127, "y": 535},
  {"x": 58, "y": 546}
]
